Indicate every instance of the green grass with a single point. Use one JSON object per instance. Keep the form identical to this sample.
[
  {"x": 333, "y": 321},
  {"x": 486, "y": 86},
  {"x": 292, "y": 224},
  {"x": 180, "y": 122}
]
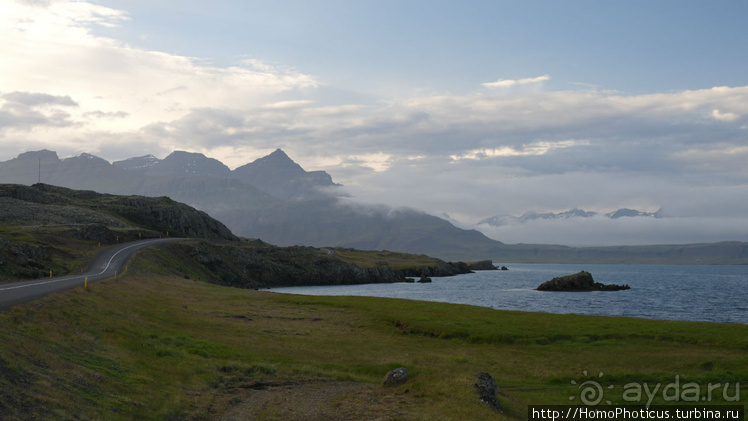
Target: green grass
[
  {"x": 66, "y": 253},
  {"x": 159, "y": 346}
]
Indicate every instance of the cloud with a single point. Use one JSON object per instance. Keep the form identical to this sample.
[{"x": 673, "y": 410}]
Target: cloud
[
  {"x": 102, "y": 114},
  {"x": 26, "y": 110},
  {"x": 288, "y": 104},
  {"x": 50, "y": 48},
  {"x": 470, "y": 155},
  {"x": 29, "y": 99},
  {"x": 726, "y": 117},
  {"x": 508, "y": 83},
  {"x": 537, "y": 148}
]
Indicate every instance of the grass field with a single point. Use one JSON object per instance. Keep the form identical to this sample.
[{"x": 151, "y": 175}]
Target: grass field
[{"x": 155, "y": 346}]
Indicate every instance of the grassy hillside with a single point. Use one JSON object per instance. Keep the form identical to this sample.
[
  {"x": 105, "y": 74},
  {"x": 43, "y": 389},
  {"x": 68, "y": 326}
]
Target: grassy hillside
[
  {"x": 42, "y": 204},
  {"x": 256, "y": 264},
  {"x": 157, "y": 346},
  {"x": 53, "y": 230},
  {"x": 47, "y": 229}
]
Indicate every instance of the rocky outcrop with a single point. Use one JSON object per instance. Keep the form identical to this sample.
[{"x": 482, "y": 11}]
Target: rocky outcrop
[
  {"x": 166, "y": 215},
  {"x": 424, "y": 279},
  {"x": 42, "y": 204},
  {"x": 581, "y": 281},
  {"x": 482, "y": 265},
  {"x": 443, "y": 269},
  {"x": 22, "y": 261},
  {"x": 486, "y": 387},
  {"x": 255, "y": 264}
]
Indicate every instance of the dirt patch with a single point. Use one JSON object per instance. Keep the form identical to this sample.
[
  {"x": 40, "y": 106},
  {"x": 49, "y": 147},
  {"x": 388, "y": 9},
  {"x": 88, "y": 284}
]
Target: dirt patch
[{"x": 329, "y": 401}]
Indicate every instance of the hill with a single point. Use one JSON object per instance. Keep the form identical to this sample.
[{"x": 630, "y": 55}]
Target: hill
[
  {"x": 54, "y": 229},
  {"x": 47, "y": 229}
]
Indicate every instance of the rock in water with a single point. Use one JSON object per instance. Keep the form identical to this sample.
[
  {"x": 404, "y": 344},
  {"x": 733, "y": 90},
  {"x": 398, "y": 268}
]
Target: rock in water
[
  {"x": 486, "y": 387},
  {"x": 395, "y": 377},
  {"x": 424, "y": 278},
  {"x": 581, "y": 281}
]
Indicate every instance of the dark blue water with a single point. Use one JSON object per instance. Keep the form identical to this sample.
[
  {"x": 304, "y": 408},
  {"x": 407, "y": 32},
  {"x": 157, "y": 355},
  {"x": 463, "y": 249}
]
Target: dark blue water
[{"x": 694, "y": 293}]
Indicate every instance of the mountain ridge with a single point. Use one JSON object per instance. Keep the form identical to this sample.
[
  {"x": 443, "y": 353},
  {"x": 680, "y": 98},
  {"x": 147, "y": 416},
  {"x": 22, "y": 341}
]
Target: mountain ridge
[
  {"x": 319, "y": 218},
  {"x": 272, "y": 198},
  {"x": 501, "y": 220}
]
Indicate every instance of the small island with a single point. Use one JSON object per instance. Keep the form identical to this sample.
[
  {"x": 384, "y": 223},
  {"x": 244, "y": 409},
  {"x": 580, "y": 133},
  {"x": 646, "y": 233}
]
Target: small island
[{"x": 579, "y": 282}]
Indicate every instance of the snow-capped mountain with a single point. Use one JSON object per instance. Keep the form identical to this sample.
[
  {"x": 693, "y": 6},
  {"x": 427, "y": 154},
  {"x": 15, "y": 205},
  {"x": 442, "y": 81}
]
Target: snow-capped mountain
[{"x": 500, "y": 220}]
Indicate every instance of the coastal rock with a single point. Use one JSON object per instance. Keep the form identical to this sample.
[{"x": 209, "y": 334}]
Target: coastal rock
[
  {"x": 395, "y": 377},
  {"x": 486, "y": 387},
  {"x": 581, "y": 281},
  {"x": 443, "y": 269},
  {"x": 424, "y": 279},
  {"x": 482, "y": 265}
]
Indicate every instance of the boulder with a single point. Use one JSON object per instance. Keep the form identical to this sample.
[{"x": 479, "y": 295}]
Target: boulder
[
  {"x": 395, "y": 377},
  {"x": 577, "y": 282},
  {"x": 424, "y": 279},
  {"x": 486, "y": 387}
]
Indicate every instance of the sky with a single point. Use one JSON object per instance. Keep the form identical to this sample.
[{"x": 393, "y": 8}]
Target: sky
[{"x": 463, "y": 110}]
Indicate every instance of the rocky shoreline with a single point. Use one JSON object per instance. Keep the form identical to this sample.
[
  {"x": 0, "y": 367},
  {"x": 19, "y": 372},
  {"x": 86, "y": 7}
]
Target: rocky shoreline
[
  {"x": 256, "y": 264},
  {"x": 578, "y": 282}
]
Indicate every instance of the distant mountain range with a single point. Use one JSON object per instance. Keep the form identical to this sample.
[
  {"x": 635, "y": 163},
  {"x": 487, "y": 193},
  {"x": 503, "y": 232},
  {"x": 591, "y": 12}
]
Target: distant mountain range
[
  {"x": 276, "y": 200},
  {"x": 501, "y": 220},
  {"x": 272, "y": 198}
]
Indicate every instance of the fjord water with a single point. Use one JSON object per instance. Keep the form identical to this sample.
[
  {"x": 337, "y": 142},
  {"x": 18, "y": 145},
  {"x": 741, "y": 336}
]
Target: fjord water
[{"x": 668, "y": 292}]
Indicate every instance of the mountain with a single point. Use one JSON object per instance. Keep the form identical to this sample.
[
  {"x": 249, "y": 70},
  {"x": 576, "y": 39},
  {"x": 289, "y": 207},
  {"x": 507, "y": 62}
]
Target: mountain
[
  {"x": 199, "y": 186},
  {"x": 633, "y": 213},
  {"x": 279, "y": 176},
  {"x": 330, "y": 222},
  {"x": 138, "y": 164},
  {"x": 180, "y": 163},
  {"x": 501, "y": 220},
  {"x": 272, "y": 198},
  {"x": 310, "y": 217}
]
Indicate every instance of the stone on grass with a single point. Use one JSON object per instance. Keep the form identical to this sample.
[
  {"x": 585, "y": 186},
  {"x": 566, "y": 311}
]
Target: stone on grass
[
  {"x": 486, "y": 387},
  {"x": 395, "y": 377}
]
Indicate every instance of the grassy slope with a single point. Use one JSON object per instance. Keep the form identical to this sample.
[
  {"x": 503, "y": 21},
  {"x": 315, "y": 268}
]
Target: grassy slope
[
  {"x": 71, "y": 225},
  {"x": 155, "y": 346}
]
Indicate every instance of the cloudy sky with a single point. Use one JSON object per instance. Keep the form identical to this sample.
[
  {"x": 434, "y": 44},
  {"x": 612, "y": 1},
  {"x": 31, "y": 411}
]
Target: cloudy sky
[{"x": 468, "y": 109}]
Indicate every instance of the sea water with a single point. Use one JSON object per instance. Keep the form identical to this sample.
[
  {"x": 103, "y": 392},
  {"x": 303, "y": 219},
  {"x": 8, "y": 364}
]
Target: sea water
[{"x": 668, "y": 292}]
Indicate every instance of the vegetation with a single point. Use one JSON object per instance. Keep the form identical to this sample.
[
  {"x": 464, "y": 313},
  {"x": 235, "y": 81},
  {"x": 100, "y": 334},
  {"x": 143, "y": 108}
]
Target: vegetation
[
  {"x": 164, "y": 343},
  {"x": 53, "y": 229},
  {"x": 256, "y": 264},
  {"x": 157, "y": 346},
  {"x": 43, "y": 204}
]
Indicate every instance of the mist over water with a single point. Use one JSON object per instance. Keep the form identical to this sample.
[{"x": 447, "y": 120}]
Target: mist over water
[{"x": 667, "y": 292}]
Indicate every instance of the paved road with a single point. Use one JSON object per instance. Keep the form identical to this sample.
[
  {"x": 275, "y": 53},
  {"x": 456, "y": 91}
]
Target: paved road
[{"x": 104, "y": 266}]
